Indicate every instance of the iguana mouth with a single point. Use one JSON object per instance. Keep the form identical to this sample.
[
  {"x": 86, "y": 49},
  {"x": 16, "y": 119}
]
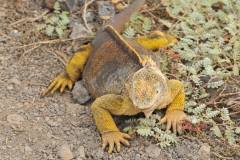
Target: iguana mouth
[
  {"x": 146, "y": 110},
  {"x": 143, "y": 108}
]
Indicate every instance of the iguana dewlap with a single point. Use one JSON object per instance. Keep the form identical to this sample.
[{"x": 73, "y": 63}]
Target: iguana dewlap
[{"x": 124, "y": 77}]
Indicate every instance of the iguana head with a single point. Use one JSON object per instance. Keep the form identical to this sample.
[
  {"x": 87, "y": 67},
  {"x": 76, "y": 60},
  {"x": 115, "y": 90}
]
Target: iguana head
[{"x": 148, "y": 89}]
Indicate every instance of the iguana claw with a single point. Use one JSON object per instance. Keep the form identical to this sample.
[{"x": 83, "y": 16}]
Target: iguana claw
[
  {"x": 173, "y": 119},
  {"x": 61, "y": 82},
  {"x": 109, "y": 138}
]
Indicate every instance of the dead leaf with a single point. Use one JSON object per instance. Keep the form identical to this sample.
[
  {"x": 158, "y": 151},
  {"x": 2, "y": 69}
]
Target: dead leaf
[
  {"x": 5, "y": 5},
  {"x": 115, "y": 1},
  {"x": 106, "y": 17},
  {"x": 120, "y": 6}
]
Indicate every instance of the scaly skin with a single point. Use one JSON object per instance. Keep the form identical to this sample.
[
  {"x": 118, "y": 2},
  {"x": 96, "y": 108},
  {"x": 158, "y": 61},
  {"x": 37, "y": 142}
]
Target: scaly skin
[
  {"x": 74, "y": 69},
  {"x": 148, "y": 90},
  {"x": 155, "y": 40},
  {"x": 106, "y": 105}
]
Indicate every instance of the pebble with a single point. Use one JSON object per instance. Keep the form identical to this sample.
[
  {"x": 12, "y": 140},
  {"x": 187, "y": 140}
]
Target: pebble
[
  {"x": 53, "y": 123},
  {"x": 153, "y": 151},
  {"x": 74, "y": 109},
  {"x": 28, "y": 149},
  {"x": 2, "y": 139},
  {"x": 98, "y": 153},
  {"x": 146, "y": 143},
  {"x": 2, "y": 12},
  {"x": 81, "y": 152},
  {"x": 80, "y": 93},
  {"x": 79, "y": 31},
  {"x": 90, "y": 17},
  {"x": 204, "y": 152},
  {"x": 137, "y": 157},
  {"x": 50, "y": 157},
  {"x": 10, "y": 87},
  {"x": 118, "y": 158},
  {"x": 64, "y": 153},
  {"x": 2, "y": 39},
  {"x": 15, "y": 119},
  {"x": 15, "y": 81},
  {"x": 66, "y": 5},
  {"x": 105, "y": 8},
  {"x": 15, "y": 34},
  {"x": 181, "y": 151}
]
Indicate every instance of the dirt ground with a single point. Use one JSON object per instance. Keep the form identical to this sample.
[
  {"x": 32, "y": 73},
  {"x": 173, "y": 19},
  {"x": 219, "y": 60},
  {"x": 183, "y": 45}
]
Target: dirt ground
[{"x": 55, "y": 127}]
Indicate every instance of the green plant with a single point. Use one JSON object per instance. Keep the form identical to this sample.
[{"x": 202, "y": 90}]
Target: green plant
[
  {"x": 209, "y": 46},
  {"x": 56, "y": 22},
  {"x": 151, "y": 127},
  {"x": 138, "y": 23},
  {"x": 209, "y": 43}
]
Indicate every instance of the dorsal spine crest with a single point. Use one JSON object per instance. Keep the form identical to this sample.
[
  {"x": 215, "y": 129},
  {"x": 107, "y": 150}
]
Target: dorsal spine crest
[{"x": 122, "y": 42}]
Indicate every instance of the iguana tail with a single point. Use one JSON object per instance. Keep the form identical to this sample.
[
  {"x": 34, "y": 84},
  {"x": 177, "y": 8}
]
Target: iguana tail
[{"x": 118, "y": 21}]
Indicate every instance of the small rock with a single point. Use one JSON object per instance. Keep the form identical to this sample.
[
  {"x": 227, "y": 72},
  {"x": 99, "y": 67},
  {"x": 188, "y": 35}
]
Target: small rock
[
  {"x": 74, "y": 109},
  {"x": 181, "y": 151},
  {"x": 2, "y": 138},
  {"x": 2, "y": 12},
  {"x": 146, "y": 143},
  {"x": 204, "y": 152},
  {"x": 50, "y": 157},
  {"x": 137, "y": 157},
  {"x": 87, "y": 132},
  {"x": 15, "y": 34},
  {"x": 98, "y": 153},
  {"x": 3, "y": 39},
  {"x": 66, "y": 5},
  {"x": 80, "y": 93},
  {"x": 90, "y": 17},
  {"x": 10, "y": 87},
  {"x": 64, "y": 153},
  {"x": 4, "y": 25},
  {"x": 153, "y": 151},
  {"x": 81, "y": 152},
  {"x": 79, "y": 31},
  {"x": 118, "y": 158},
  {"x": 52, "y": 123},
  {"x": 28, "y": 149},
  {"x": 105, "y": 8},
  {"x": 15, "y": 81},
  {"x": 15, "y": 119}
]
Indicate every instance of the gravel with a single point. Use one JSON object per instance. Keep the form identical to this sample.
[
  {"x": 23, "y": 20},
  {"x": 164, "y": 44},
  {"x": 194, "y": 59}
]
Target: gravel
[{"x": 56, "y": 126}]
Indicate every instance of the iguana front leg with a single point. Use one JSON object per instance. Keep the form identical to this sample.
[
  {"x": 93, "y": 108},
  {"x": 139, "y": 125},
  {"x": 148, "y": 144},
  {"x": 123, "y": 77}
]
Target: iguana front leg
[
  {"x": 74, "y": 69},
  {"x": 102, "y": 108},
  {"x": 156, "y": 40},
  {"x": 174, "y": 114}
]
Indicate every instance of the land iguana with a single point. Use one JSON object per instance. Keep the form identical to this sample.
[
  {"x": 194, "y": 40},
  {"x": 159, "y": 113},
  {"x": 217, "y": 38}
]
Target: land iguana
[{"x": 124, "y": 77}]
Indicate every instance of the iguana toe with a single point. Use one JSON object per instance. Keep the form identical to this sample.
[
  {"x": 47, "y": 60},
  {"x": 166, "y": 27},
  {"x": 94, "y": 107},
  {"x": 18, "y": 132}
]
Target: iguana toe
[
  {"x": 59, "y": 82},
  {"x": 173, "y": 119},
  {"x": 114, "y": 137}
]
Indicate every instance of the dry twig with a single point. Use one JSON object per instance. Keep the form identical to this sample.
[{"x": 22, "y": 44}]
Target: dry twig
[
  {"x": 4, "y": 35},
  {"x": 84, "y": 14},
  {"x": 152, "y": 9},
  {"x": 52, "y": 41},
  {"x": 59, "y": 58},
  {"x": 219, "y": 156},
  {"x": 30, "y": 19}
]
